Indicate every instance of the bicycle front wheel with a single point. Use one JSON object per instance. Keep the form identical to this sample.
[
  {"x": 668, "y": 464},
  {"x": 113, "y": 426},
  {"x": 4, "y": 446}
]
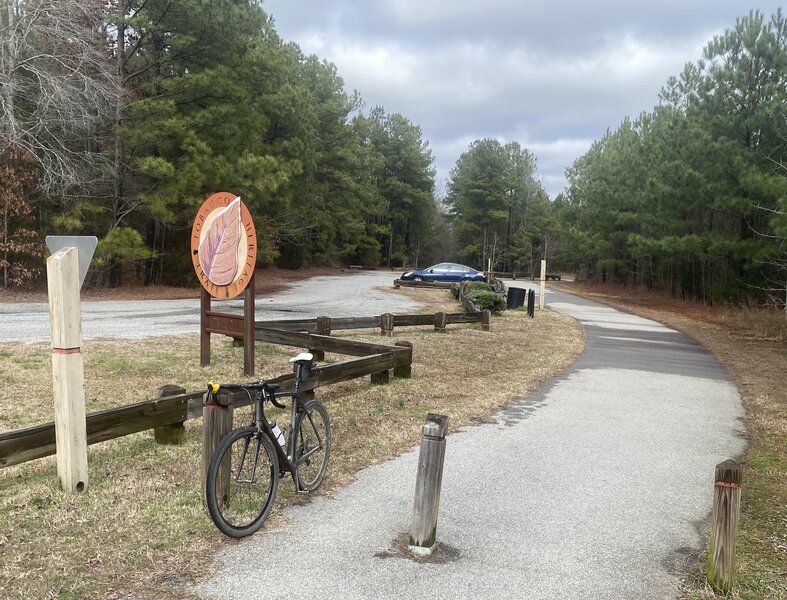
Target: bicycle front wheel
[
  {"x": 241, "y": 482},
  {"x": 312, "y": 445}
]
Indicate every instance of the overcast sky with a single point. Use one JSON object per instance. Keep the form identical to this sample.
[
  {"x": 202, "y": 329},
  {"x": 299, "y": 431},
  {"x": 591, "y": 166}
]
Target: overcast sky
[{"x": 551, "y": 75}]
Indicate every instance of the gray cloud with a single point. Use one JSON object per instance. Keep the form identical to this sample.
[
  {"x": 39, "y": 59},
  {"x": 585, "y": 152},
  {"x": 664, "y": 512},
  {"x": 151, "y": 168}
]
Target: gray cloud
[{"x": 551, "y": 75}]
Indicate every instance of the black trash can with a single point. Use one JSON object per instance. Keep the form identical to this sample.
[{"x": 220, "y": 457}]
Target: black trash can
[{"x": 515, "y": 297}]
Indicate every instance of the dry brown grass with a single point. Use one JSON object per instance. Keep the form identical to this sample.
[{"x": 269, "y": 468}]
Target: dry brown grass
[
  {"x": 141, "y": 528},
  {"x": 753, "y": 346}
]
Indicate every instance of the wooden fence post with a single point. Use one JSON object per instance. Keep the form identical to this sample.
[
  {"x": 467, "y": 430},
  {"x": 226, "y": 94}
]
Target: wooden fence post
[
  {"x": 440, "y": 322},
  {"x": 68, "y": 375},
  {"x": 486, "y": 319},
  {"x": 386, "y": 324},
  {"x": 726, "y": 508},
  {"x": 216, "y": 423},
  {"x": 380, "y": 378},
  {"x": 321, "y": 327},
  {"x": 248, "y": 326},
  {"x": 175, "y": 433},
  {"x": 204, "y": 335},
  {"x": 423, "y": 531},
  {"x": 405, "y": 371}
]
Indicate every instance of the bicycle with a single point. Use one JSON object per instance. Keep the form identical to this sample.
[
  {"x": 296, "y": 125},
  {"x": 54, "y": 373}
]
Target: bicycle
[{"x": 245, "y": 468}]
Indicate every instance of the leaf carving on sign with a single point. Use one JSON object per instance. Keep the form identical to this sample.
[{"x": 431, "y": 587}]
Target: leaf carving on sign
[{"x": 218, "y": 250}]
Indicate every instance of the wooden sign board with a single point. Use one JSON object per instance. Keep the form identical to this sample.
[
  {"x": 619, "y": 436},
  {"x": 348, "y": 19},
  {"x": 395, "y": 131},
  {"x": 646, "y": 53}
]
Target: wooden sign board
[{"x": 224, "y": 245}]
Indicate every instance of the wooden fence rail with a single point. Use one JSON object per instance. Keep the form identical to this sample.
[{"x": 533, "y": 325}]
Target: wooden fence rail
[
  {"x": 422, "y": 284},
  {"x": 375, "y": 360},
  {"x": 22, "y": 445},
  {"x": 343, "y": 323}
]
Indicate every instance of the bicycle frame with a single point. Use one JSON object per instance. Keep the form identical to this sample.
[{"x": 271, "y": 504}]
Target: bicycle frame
[{"x": 286, "y": 462}]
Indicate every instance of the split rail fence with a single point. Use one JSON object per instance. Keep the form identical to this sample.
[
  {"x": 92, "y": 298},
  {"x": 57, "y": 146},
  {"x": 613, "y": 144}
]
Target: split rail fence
[{"x": 169, "y": 412}]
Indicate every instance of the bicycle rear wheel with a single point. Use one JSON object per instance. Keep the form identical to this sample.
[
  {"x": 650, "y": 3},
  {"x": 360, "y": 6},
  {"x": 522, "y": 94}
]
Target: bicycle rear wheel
[
  {"x": 312, "y": 445},
  {"x": 241, "y": 482}
]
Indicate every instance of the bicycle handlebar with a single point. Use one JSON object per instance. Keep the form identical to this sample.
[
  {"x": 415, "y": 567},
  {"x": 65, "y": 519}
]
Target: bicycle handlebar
[{"x": 268, "y": 390}]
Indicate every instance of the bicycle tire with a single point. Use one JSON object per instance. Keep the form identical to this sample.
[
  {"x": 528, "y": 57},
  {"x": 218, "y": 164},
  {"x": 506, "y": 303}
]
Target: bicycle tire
[
  {"x": 243, "y": 459},
  {"x": 313, "y": 436}
]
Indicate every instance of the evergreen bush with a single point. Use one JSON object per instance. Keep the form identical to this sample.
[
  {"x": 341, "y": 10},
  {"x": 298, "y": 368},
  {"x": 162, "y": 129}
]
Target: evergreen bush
[{"x": 488, "y": 300}]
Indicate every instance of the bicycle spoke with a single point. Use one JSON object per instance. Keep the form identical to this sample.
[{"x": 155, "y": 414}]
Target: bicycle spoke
[{"x": 242, "y": 482}]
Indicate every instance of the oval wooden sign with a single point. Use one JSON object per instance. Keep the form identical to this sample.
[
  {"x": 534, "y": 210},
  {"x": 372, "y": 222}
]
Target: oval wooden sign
[{"x": 224, "y": 245}]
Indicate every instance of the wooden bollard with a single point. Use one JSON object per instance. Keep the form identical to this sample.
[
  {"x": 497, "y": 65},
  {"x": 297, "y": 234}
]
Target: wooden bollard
[
  {"x": 440, "y": 322},
  {"x": 175, "y": 433},
  {"x": 386, "y": 324},
  {"x": 405, "y": 371},
  {"x": 726, "y": 508},
  {"x": 65, "y": 315},
  {"x": 380, "y": 378},
  {"x": 486, "y": 319},
  {"x": 216, "y": 423},
  {"x": 322, "y": 327},
  {"x": 423, "y": 531}
]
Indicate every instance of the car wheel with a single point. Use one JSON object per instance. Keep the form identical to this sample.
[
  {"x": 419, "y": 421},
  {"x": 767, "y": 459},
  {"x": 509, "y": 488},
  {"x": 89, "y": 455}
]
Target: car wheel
[{"x": 417, "y": 279}]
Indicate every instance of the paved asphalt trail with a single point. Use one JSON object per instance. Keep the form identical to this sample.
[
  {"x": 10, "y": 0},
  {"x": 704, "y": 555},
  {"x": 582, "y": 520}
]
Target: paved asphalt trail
[
  {"x": 347, "y": 295},
  {"x": 599, "y": 485}
]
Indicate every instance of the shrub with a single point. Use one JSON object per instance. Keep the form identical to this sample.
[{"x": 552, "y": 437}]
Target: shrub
[
  {"x": 488, "y": 300},
  {"x": 478, "y": 286}
]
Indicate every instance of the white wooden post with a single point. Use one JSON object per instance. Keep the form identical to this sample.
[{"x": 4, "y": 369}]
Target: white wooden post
[
  {"x": 67, "y": 369},
  {"x": 541, "y": 284}
]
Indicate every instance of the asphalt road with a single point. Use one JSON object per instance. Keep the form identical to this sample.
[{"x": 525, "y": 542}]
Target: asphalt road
[
  {"x": 349, "y": 295},
  {"x": 599, "y": 485}
]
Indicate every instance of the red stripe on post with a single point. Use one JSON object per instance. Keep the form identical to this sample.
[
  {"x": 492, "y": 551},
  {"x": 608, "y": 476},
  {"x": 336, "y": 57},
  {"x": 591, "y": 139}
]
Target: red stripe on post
[
  {"x": 728, "y": 484},
  {"x": 66, "y": 350}
]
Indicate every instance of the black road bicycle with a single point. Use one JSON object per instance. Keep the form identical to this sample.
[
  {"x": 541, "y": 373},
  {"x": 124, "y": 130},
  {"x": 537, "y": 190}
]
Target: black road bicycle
[{"x": 245, "y": 468}]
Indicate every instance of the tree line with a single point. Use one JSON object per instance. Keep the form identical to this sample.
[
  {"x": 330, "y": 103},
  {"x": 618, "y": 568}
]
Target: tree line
[
  {"x": 692, "y": 196},
  {"x": 120, "y": 118}
]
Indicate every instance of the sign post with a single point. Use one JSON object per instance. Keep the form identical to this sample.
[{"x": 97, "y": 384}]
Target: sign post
[
  {"x": 63, "y": 281},
  {"x": 542, "y": 285}
]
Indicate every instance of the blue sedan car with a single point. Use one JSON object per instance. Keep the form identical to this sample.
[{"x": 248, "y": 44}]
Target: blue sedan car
[{"x": 445, "y": 272}]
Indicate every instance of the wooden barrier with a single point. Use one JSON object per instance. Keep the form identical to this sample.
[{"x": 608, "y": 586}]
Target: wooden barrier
[
  {"x": 344, "y": 323},
  {"x": 173, "y": 434},
  {"x": 167, "y": 413},
  {"x": 422, "y": 284},
  {"x": 724, "y": 526},
  {"x": 22, "y": 445},
  {"x": 439, "y": 322},
  {"x": 216, "y": 423},
  {"x": 405, "y": 370},
  {"x": 426, "y": 504},
  {"x": 386, "y": 324}
]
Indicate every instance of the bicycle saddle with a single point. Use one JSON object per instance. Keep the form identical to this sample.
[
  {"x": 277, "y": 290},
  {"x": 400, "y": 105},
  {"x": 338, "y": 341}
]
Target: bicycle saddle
[{"x": 302, "y": 357}]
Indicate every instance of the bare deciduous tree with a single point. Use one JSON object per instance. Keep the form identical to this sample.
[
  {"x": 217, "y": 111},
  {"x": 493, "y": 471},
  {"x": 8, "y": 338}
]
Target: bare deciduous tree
[{"x": 56, "y": 88}]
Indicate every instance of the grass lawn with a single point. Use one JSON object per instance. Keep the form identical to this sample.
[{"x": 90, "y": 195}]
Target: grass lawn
[{"x": 141, "y": 529}]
